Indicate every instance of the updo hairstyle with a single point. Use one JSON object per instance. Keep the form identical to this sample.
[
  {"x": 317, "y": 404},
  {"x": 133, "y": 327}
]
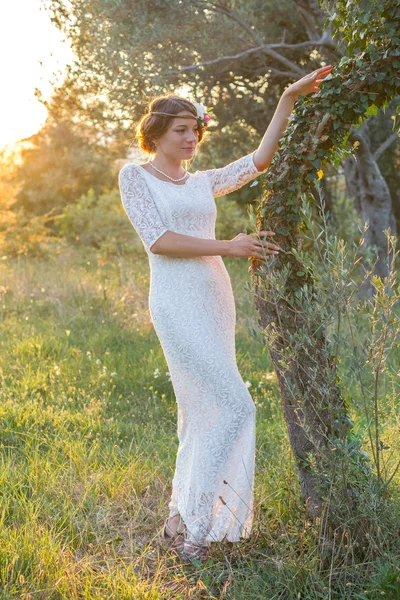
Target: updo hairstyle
[{"x": 153, "y": 126}]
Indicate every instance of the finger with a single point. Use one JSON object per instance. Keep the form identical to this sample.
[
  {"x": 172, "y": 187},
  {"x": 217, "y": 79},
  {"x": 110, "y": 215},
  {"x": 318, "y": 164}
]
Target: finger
[
  {"x": 256, "y": 255},
  {"x": 269, "y": 250},
  {"x": 260, "y": 256},
  {"x": 323, "y": 71},
  {"x": 268, "y": 246},
  {"x": 318, "y": 77}
]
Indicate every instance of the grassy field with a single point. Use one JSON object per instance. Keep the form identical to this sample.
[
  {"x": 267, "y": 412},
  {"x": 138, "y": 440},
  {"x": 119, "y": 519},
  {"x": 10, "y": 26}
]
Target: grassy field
[{"x": 88, "y": 444}]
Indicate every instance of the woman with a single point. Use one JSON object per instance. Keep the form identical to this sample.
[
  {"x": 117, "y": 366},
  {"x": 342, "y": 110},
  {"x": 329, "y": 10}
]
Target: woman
[{"x": 193, "y": 312}]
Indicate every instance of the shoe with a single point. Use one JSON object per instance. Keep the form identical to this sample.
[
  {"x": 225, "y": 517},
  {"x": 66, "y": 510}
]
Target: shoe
[
  {"x": 192, "y": 551},
  {"x": 174, "y": 539}
]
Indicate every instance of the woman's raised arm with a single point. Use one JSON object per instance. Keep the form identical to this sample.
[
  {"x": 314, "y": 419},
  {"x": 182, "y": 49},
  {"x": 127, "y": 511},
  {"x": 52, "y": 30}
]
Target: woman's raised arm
[{"x": 269, "y": 144}]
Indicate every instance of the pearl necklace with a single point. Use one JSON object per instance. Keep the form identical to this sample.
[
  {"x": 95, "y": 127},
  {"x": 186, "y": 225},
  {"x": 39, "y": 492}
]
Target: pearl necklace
[{"x": 162, "y": 173}]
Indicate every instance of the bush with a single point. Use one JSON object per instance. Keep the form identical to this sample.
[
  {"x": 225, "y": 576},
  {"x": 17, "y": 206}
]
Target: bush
[
  {"x": 25, "y": 234},
  {"x": 99, "y": 222}
]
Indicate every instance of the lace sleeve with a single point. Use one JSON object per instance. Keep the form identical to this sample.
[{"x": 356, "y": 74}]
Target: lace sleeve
[
  {"x": 140, "y": 206},
  {"x": 233, "y": 176}
]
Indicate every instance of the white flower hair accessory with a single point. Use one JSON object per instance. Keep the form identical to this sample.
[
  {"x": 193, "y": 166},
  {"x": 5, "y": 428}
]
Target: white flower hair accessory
[{"x": 202, "y": 114}]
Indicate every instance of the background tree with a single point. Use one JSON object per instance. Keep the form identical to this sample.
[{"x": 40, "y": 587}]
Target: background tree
[
  {"x": 68, "y": 156},
  {"x": 236, "y": 57},
  {"x": 367, "y": 184}
]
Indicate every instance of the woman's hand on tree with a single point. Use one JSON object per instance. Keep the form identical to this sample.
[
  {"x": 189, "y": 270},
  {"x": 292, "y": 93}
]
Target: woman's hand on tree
[
  {"x": 250, "y": 245},
  {"x": 308, "y": 84}
]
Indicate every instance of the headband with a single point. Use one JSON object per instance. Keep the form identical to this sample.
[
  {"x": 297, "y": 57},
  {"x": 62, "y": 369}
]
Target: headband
[{"x": 202, "y": 116}]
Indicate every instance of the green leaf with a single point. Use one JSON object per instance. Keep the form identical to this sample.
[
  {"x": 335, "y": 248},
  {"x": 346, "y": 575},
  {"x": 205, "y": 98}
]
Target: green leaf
[
  {"x": 282, "y": 230},
  {"x": 316, "y": 163},
  {"x": 294, "y": 217},
  {"x": 300, "y": 273},
  {"x": 372, "y": 110}
]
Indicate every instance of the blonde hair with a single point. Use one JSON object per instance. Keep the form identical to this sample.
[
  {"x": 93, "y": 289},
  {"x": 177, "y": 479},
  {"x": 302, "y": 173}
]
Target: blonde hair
[{"x": 153, "y": 126}]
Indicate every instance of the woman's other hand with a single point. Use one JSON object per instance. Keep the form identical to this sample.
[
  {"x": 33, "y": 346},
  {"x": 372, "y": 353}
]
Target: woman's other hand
[{"x": 250, "y": 245}]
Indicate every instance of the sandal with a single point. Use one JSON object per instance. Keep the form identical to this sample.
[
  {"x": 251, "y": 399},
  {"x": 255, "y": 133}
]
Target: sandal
[
  {"x": 175, "y": 539},
  {"x": 192, "y": 551}
]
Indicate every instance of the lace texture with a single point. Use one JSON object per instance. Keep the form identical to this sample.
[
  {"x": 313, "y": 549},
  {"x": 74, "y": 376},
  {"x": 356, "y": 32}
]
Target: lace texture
[{"x": 193, "y": 311}]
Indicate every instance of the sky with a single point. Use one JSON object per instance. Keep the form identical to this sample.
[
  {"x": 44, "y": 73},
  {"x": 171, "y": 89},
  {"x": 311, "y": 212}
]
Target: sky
[{"x": 27, "y": 38}]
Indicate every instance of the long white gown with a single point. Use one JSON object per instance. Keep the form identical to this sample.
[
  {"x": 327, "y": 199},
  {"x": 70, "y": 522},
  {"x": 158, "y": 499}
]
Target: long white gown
[{"x": 192, "y": 308}]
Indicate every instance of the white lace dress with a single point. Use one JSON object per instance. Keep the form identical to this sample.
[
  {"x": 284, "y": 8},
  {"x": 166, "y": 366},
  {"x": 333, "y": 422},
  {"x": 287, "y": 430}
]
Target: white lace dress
[{"x": 193, "y": 312}]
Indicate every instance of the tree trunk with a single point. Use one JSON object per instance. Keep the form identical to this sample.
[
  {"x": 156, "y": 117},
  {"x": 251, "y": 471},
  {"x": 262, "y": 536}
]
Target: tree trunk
[
  {"x": 311, "y": 400},
  {"x": 372, "y": 196}
]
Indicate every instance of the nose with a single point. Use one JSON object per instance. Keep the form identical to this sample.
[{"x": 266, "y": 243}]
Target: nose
[{"x": 193, "y": 137}]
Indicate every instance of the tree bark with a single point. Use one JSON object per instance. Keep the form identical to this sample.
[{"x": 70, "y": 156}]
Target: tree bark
[{"x": 368, "y": 187}]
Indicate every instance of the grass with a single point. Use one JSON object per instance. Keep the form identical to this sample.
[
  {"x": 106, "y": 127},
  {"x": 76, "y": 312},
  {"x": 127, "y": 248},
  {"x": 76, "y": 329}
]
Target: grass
[{"x": 88, "y": 444}]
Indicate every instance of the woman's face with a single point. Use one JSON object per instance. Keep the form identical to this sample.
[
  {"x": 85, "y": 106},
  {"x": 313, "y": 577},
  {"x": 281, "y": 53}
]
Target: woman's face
[{"x": 180, "y": 140}]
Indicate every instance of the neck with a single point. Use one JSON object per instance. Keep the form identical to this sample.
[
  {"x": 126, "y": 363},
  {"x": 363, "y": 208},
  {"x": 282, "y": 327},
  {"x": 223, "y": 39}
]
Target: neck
[{"x": 173, "y": 167}]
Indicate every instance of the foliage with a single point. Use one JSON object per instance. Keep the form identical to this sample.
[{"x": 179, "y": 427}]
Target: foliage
[
  {"x": 116, "y": 44},
  {"x": 98, "y": 222},
  {"x": 127, "y": 52},
  {"x": 362, "y": 336},
  {"x": 25, "y": 234},
  {"x": 62, "y": 161},
  {"x": 8, "y": 187}
]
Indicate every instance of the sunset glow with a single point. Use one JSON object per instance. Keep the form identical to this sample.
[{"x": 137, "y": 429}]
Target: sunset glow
[{"x": 31, "y": 50}]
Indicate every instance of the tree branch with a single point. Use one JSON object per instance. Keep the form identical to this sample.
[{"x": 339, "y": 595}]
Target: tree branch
[
  {"x": 385, "y": 145},
  {"x": 288, "y": 74},
  {"x": 285, "y": 61},
  {"x": 232, "y": 15},
  {"x": 312, "y": 16},
  {"x": 266, "y": 48}
]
